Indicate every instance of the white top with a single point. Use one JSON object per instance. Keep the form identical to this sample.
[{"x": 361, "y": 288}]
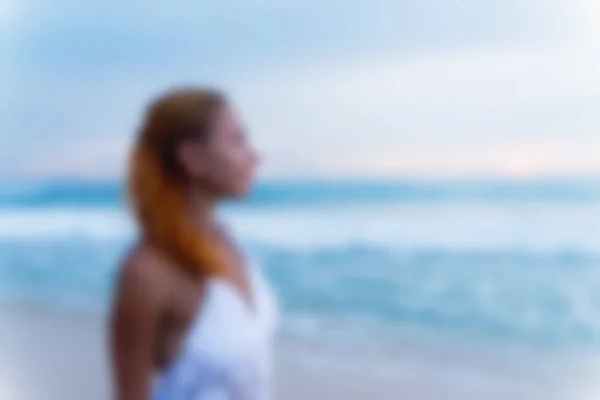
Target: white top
[{"x": 226, "y": 353}]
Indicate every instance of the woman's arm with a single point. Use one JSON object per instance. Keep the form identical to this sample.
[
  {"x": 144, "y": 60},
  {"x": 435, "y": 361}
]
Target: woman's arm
[{"x": 140, "y": 300}]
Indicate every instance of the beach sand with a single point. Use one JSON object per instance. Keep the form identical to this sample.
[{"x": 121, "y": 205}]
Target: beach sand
[{"x": 46, "y": 355}]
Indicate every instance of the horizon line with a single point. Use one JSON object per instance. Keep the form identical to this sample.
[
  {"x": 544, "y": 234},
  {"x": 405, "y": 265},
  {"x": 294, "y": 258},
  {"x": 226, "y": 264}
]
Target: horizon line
[{"x": 7, "y": 179}]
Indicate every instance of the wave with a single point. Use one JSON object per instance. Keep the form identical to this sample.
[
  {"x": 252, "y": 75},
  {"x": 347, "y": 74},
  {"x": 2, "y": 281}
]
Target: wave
[
  {"x": 523, "y": 295},
  {"x": 101, "y": 223},
  {"x": 309, "y": 228},
  {"x": 450, "y": 226},
  {"x": 524, "y": 270},
  {"x": 551, "y": 297}
]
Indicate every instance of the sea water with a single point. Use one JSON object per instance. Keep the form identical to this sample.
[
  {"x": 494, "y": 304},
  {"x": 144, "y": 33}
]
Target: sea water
[{"x": 507, "y": 262}]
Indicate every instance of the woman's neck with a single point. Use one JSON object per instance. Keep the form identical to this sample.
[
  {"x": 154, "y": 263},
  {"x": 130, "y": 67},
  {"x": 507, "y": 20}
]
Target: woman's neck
[{"x": 202, "y": 211}]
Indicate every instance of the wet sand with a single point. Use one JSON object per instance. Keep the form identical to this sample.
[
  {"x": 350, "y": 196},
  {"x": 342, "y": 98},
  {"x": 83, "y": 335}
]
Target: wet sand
[{"x": 46, "y": 355}]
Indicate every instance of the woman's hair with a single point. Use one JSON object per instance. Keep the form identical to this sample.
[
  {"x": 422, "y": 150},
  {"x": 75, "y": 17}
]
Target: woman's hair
[{"x": 158, "y": 184}]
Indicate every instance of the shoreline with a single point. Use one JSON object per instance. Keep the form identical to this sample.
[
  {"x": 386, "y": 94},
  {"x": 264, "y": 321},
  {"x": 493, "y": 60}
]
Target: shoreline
[{"x": 47, "y": 354}]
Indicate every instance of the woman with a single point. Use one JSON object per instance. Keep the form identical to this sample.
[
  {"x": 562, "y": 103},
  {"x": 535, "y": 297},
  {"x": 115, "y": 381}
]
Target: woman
[{"x": 192, "y": 319}]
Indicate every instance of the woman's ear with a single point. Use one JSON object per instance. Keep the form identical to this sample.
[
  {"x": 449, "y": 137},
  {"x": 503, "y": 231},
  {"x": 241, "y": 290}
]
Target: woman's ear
[{"x": 192, "y": 158}]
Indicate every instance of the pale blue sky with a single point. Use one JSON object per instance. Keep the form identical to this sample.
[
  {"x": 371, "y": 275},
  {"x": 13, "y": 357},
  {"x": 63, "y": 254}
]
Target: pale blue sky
[{"x": 328, "y": 88}]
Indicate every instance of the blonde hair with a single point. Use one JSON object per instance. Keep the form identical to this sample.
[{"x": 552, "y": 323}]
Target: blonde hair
[{"x": 158, "y": 185}]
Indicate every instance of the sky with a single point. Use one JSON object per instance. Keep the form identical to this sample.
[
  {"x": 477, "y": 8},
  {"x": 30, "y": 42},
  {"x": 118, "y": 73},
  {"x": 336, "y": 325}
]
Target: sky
[{"x": 327, "y": 89}]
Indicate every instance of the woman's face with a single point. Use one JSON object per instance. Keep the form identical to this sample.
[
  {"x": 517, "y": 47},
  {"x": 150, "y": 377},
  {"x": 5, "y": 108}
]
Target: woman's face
[{"x": 225, "y": 162}]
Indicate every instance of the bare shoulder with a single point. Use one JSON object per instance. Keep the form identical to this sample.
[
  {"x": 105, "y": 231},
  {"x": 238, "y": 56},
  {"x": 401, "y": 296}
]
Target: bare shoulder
[{"x": 144, "y": 275}]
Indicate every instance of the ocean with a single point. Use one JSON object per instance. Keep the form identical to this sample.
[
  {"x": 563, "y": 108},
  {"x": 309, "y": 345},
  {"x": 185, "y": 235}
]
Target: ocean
[{"x": 503, "y": 261}]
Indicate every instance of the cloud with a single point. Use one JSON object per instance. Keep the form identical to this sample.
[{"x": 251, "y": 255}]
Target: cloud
[
  {"x": 9, "y": 14},
  {"x": 476, "y": 81},
  {"x": 444, "y": 112},
  {"x": 78, "y": 37},
  {"x": 584, "y": 17},
  {"x": 349, "y": 90},
  {"x": 95, "y": 157}
]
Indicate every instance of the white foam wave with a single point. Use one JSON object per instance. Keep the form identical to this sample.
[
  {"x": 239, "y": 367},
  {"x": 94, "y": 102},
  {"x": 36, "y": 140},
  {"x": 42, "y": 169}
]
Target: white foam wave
[
  {"x": 452, "y": 227},
  {"x": 58, "y": 223},
  {"x": 425, "y": 226}
]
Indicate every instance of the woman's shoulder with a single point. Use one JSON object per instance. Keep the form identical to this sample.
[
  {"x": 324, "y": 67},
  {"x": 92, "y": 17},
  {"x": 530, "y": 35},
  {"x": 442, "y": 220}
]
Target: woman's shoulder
[{"x": 145, "y": 271}]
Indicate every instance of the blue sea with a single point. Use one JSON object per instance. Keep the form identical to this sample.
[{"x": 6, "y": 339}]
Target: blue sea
[{"x": 482, "y": 260}]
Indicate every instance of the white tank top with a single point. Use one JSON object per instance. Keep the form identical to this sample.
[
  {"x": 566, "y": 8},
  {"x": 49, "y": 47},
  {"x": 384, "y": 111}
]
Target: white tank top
[{"x": 226, "y": 354}]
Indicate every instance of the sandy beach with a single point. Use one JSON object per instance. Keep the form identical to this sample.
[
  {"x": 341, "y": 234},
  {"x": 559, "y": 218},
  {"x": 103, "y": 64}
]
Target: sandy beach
[{"x": 54, "y": 355}]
